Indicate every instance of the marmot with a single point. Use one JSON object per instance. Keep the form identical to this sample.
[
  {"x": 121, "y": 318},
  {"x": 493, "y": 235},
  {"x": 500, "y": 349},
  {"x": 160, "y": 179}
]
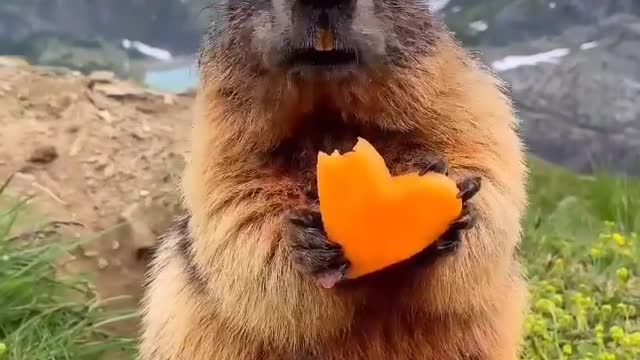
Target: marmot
[{"x": 248, "y": 273}]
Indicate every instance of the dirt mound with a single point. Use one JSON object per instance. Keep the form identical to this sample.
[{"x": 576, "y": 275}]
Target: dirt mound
[{"x": 100, "y": 152}]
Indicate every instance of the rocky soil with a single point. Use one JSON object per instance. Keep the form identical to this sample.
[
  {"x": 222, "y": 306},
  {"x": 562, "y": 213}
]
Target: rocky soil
[{"x": 99, "y": 152}]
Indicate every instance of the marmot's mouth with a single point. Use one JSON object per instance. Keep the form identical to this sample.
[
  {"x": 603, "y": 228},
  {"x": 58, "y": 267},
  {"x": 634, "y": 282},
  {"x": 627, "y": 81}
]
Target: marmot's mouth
[{"x": 313, "y": 57}]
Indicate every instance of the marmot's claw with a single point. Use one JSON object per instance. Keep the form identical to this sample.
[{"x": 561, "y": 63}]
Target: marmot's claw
[
  {"x": 312, "y": 253},
  {"x": 451, "y": 239},
  {"x": 468, "y": 188},
  {"x": 438, "y": 166}
]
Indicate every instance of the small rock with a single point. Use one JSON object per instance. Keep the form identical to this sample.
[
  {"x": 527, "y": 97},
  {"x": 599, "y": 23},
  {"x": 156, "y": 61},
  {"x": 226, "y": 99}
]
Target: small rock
[
  {"x": 168, "y": 99},
  {"x": 44, "y": 155},
  {"x": 142, "y": 236},
  {"x": 106, "y": 116},
  {"x": 120, "y": 90},
  {"x": 115, "y": 245},
  {"x": 147, "y": 108},
  {"x": 27, "y": 169},
  {"x": 61, "y": 102},
  {"x": 13, "y": 61},
  {"x": 144, "y": 193},
  {"x": 102, "y": 76},
  {"x": 139, "y": 135},
  {"x": 109, "y": 170},
  {"x": 72, "y": 129},
  {"x": 145, "y": 126},
  {"x": 189, "y": 93},
  {"x": 25, "y": 175},
  {"x": 6, "y": 87},
  {"x": 90, "y": 253},
  {"x": 77, "y": 144},
  {"x": 103, "y": 263}
]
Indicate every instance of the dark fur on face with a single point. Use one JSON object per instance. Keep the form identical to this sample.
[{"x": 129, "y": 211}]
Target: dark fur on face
[{"x": 318, "y": 40}]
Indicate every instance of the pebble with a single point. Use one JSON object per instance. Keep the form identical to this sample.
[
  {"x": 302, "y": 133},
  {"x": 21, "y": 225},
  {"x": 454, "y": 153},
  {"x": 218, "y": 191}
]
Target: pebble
[
  {"x": 103, "y": 263},
  {"x": 44, "y": 154},
  {"x": 90, "y": 253}
]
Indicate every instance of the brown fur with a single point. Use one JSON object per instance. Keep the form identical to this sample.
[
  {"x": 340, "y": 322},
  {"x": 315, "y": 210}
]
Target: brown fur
[{"x": 222, "y": 285}]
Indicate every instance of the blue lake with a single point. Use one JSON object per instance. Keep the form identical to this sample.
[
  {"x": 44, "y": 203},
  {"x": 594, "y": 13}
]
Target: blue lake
[{"x": 173, "y": 80}]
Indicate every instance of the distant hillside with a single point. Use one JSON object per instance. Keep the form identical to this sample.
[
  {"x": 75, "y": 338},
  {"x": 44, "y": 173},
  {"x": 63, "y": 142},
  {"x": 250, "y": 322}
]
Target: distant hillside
[
  {"x": 163, "y": 23},
  {"x": 576, "y": 93},
  {"x": 93, "y": 34},
  {"x": 501, "y": 22}
]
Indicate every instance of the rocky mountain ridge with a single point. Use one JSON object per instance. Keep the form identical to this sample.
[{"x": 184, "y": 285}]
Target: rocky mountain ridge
[
  {"x": 576, "y": 94},
  {"x": 503, "y": 22}
]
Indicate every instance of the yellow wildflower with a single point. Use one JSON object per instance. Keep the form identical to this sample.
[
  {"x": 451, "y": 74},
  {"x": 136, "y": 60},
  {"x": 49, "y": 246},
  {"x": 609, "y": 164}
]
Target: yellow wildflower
[
  {"x": 617, "y": 333},
  {"x": 623, "y": 274},
  {"x": 596, "y": 252},
  {"x": 619, "y": 239}
]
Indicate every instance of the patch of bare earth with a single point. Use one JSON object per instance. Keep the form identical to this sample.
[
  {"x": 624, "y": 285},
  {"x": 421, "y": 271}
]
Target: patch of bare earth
[{"x": 100, "y": 152}]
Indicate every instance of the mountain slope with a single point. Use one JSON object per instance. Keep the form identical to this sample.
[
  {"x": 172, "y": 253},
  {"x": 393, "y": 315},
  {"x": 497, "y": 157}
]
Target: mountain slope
[{"x": 500, "y": 22}]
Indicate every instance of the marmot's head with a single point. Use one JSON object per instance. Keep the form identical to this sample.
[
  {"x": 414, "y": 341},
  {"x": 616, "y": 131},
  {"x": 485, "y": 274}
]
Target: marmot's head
[{"x": 318, "y": 39}]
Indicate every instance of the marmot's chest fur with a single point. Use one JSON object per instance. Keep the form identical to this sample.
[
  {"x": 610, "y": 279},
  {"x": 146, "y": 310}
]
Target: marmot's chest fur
[{"x": 297, "y": 156}]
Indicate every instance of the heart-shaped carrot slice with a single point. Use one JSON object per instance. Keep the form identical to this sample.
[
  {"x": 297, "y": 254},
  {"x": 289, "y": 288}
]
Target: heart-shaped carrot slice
[{"x": 380, "y": 219}]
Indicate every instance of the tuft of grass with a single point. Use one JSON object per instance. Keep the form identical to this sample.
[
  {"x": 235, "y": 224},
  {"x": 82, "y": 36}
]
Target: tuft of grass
[
  {"x": 41, "y": 315},
  {"x": 581, "y": 254}
]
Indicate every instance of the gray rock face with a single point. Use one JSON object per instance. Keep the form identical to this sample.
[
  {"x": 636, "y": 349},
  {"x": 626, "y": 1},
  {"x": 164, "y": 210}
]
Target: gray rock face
[
  {"x": 583, "y": 111},
  {"x": 509, "y": 21},
  {"x": 520, "y": 19}
]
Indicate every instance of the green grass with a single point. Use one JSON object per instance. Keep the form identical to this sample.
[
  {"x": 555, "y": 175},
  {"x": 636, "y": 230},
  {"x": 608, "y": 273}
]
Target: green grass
[
  {"x": 581, "y": 256},
  {"x": 41, "y": 316}
]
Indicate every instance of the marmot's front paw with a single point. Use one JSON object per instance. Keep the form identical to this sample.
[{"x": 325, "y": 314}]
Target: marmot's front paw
[
  {"x": 312, "y": 253},
  {"x": 468, "y": 188},
  {"x": 450, "y": 240}
]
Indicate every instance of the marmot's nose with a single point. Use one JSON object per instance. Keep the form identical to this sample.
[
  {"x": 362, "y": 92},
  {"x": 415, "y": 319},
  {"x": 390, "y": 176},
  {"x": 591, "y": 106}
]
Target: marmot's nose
[{"x": 323, "y": 4}]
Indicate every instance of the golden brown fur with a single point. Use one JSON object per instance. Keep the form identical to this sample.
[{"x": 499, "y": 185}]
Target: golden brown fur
[{"x": 223, "y": 287}]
